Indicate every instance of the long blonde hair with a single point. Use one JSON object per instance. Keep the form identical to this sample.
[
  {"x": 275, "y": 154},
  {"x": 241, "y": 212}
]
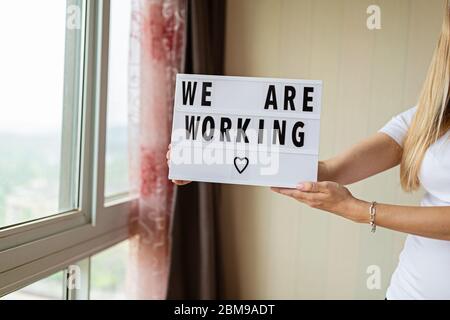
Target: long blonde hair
[{"x": 432, "y": 117}]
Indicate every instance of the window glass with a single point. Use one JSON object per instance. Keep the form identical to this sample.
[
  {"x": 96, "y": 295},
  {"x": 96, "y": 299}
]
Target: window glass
[
  {"x": 50, "y": 288},
  {"x": 32, "y": 79},
  {"x": 116, "y": 174},
  {"x": 108, "y": 273}
]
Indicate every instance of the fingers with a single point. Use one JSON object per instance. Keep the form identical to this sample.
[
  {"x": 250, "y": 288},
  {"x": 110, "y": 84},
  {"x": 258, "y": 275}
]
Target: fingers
[
  {"x": 181, "y": 182},
  {"x": 168, "y": 154},
  {"x": 287, "y": 192},
  {"x": 177, "y": 182},
  {"x": 311, "y": 187},
  {"x": 323, "y": 186},
  {"x": 300, "y": 195}
]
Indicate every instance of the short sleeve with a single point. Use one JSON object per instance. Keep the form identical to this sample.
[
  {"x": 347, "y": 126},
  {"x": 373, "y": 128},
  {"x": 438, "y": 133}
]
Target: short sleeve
[{"x": 397, "y": 127}]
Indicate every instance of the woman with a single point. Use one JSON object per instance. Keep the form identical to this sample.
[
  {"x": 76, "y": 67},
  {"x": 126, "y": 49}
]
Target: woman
[{"x": 419, "y": 140}]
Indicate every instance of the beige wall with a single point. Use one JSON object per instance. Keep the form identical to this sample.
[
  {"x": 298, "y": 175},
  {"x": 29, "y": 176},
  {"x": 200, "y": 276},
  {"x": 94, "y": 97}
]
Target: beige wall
[{"x": 274, "y": 247}]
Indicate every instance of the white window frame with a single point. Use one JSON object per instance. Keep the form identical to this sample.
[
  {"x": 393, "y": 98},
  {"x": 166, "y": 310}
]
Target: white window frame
[{"x": 37, "y": 249}]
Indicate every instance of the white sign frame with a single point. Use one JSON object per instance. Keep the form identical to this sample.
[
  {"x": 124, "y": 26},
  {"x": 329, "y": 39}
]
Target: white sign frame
[{"x": 221, "y": 104}]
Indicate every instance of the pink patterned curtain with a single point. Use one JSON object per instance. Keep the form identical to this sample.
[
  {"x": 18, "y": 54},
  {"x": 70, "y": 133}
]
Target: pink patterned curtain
[{"x": 156, "y": 56}]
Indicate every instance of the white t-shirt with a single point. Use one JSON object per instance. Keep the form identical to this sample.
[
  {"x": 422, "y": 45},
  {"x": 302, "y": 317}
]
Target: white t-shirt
[{"x": 423, "y": 271}]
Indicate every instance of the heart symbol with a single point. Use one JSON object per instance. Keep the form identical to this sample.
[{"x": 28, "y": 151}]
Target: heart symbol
[{"x": 241, "y": 164}]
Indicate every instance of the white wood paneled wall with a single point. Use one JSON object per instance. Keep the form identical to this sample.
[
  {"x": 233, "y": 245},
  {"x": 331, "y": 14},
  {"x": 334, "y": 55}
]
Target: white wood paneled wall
[{"x": 273, "y": 247}]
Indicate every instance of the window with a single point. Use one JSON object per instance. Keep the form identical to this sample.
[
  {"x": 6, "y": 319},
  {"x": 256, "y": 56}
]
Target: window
[
  {"x": 116, "y": 175},
  {"x": 108, "y": 273},
  {"x": 54, "y": 128},
  {"x": 100, "y": 277},
  {"x": 33, "y": 63},
  {"x": 50, "y": 288}
]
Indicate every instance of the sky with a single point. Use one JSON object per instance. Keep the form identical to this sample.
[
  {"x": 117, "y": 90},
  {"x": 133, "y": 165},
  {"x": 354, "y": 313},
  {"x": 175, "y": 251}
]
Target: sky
[{"x": 32, "y": 38}]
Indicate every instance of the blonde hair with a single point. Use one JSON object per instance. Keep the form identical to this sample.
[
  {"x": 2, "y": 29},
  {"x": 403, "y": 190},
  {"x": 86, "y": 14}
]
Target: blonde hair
[{"x": 432, "y": 117}]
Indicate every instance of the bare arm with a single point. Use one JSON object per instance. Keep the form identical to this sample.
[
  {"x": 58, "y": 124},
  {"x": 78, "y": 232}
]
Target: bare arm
[
  {"x": 369, "y": 157},
  {"x": 430, "y": 222},
  {"x": 373, "y": 155}
]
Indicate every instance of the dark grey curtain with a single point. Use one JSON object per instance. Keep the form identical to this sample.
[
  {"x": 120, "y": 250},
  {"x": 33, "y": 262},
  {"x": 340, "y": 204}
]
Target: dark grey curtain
[{"x": 195, "y": 267}]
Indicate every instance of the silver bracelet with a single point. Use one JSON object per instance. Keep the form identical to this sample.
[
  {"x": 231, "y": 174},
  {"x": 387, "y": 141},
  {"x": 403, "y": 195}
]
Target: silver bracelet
[{"x": 373, "y": 213}]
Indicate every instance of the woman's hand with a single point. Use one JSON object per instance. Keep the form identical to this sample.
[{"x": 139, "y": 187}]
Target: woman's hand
[
  {"x": 328, "y": 196},
  {"x": 177, "y": 182}
]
